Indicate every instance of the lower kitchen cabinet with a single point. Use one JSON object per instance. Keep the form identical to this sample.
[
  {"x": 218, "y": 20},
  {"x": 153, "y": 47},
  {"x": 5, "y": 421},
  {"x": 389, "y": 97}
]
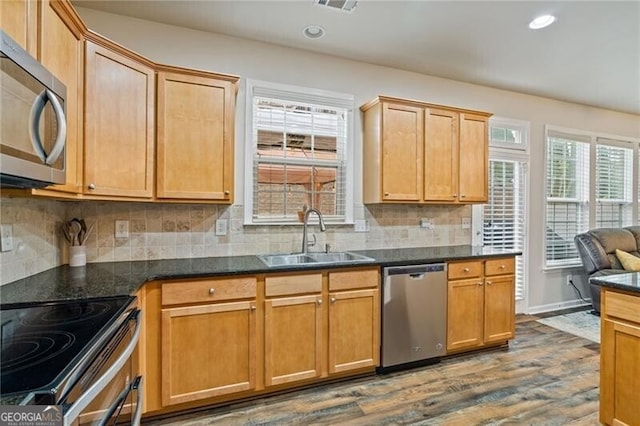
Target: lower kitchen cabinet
[
  {"x": 354, "y": 327},
  {"x": 293, "y": 336},
  {"x": 480, "y": 303},
  {"x": 208, "y": 349},
  {"x": 619, "y": 355}
]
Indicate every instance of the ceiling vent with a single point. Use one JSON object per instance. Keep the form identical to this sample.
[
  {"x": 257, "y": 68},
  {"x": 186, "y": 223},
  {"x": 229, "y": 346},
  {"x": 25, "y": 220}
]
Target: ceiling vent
[{"x": 346, "y": 5}]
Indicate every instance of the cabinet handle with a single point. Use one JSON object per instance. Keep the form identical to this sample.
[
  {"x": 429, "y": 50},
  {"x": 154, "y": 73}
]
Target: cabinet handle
[
  {"x": 253, "y": 307},
  {"x": 212, "y": 290},
  {"x": 92, "y": 186},
  {"x": 502, "y": 266},
  {"x": 333, "y": 300},
  {"x": 466, "y": 269},
  {"x": 319, "y": 301},
  {"x": 488, "y": 282},
  {"x": 227, "y": 192},
  {"x": 479, "y": 282}
]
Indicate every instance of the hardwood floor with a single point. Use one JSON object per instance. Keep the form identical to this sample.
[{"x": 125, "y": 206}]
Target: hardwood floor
[{"x": 544, "y": 377}]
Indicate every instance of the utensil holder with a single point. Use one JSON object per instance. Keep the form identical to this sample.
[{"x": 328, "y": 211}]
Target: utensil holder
[{"x": 77, "y": 255}]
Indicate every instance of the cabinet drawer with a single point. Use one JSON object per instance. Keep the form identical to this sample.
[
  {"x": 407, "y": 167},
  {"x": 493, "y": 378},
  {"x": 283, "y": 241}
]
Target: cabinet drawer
[
  {"x": 465, "y": 270},
  {"x": 621, "y": 306},
  {"x": 343, "y": 280},
  {"x": 293, "y": 284},
  {"x": 174, "y": 293},
  {"x": 504, "y": 266}
]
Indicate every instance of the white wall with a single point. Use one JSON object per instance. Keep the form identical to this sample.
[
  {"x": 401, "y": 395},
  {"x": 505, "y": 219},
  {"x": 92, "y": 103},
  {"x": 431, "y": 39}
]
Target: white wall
[{"x": 255, "y": 60}]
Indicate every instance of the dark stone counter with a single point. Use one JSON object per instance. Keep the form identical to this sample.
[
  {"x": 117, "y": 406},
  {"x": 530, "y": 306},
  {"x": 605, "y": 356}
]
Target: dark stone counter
[
  {"x": 125, "y": 278},
  {"x": 627, "y": 282}
]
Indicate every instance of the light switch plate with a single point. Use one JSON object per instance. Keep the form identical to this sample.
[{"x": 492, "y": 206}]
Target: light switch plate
[
  {"x": 6, "y": 237},
  {"x": 221, "y": 227},
  {"x": 426, "y": 223},
  {"x": 122, "y": 229},
  {"x": 361, "y": 226}
]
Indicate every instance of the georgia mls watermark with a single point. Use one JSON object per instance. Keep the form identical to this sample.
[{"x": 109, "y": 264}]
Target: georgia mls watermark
[{"x": 30, "y": 415}]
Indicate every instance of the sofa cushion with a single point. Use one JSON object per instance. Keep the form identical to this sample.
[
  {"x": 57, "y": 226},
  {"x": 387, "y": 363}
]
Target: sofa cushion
[
  {"x": 629, "y": 261},
  {"x": 612, "y": 239}
]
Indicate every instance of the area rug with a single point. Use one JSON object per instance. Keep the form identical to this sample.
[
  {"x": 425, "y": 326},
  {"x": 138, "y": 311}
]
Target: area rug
[{"x": 581, "y": 324}]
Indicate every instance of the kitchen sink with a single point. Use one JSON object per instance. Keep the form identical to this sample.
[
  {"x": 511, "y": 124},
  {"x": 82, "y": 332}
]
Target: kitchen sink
[{"x": 273, "y": 260}]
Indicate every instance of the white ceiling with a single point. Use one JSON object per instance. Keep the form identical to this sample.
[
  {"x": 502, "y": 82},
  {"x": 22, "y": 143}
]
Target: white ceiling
[{"x": 591, "y": 55}]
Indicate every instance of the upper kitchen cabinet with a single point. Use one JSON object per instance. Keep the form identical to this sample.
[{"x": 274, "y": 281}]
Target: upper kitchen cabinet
[
  {"x": 61, "y": 51},
  {"x": 119, "y": 122},
  {"x": 19, "y": 19},
  {"x": 195, "y": 135},
  {"x": 415, "y": 152}
]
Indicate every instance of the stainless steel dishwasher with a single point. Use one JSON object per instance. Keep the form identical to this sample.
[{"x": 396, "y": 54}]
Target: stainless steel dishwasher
[{"x": 414, "y": 315}]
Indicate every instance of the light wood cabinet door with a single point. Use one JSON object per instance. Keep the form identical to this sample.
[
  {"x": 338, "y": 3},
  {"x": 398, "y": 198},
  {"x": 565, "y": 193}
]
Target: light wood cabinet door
[
  {"x": 19, "y": 19},
  {"x": 441, "y": 155},
  {"x": 499, "y": 308},
  {"x": 402, "y": 145},
  {"x": 62, "y": 52},
  {"x": 293, "y": 339},
  {"x": 620, "y": 373},
  {"x": 208, "y": 350},
  {"x": 119, "y": 124},
  {"x": 354, "y": 330},
  {"x": 195, "y": 137},
  {"x": 474, "y": 158},
  {"x": 465, "y": 299}
]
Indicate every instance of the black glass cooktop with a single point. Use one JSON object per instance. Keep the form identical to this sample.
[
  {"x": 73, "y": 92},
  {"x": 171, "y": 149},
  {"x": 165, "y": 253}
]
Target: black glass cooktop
[{"x": 40, "y": 343}]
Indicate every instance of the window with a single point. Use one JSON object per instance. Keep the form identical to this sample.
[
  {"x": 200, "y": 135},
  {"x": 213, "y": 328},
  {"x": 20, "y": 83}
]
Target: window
[
  {"x": 589, "y": 185},
  {"x": 504, "y": 215},
  {"x": 299, "y": 154}
]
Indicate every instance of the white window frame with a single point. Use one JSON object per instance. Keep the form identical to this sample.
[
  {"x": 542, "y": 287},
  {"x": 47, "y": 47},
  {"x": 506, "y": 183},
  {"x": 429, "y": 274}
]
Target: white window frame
[
  {"x": 296, "y": 94},
  {"x": 593, "y": 139},
  {"x": 518, "y": 153}
]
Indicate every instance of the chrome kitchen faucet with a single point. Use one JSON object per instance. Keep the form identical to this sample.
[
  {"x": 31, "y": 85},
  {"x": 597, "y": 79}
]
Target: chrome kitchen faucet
[{"x": 305, "y": 243}]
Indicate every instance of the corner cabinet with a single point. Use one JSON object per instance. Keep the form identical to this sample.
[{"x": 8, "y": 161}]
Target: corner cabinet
[
  {"x": 119, "y": 122},
  {"x": 619, "y": 355},
  {"x": 415, "y": 152},
  {"x": 195, "y": 135},
  {"x": 480, "y": 303}
]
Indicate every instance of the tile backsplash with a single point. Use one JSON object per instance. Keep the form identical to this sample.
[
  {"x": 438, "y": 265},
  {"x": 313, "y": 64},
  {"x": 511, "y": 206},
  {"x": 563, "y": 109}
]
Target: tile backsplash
[{"x": 162, "y": 231}]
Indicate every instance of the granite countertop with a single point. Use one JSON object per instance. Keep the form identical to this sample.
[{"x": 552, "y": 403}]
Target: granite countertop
[
  {"x": 628, "y": 281},
  {"x": 125, "y": 278}
]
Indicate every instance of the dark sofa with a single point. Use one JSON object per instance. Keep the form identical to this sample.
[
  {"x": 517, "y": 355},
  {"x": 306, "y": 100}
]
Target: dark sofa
[{"x": 597, "y": 249}]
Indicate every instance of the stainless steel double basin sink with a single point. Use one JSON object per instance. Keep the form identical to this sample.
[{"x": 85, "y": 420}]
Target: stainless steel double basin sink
[{"x": 302, "y": 259}]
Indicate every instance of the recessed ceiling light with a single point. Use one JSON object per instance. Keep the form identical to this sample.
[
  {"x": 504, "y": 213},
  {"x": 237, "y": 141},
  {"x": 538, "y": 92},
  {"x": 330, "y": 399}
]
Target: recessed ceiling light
[
  {"x": 313, "y": 31},
  {"x": 542, "y": 21}
]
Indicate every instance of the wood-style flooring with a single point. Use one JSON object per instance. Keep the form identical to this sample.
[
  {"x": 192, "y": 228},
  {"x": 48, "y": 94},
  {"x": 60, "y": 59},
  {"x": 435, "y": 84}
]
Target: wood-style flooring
[{"x": 544, "y": 377}]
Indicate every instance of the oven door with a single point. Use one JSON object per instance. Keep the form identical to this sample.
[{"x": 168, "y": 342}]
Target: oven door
[{"x": 110, "y": 390}]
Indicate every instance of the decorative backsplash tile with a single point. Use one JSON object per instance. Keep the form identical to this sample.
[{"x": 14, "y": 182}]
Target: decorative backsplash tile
[{"x": 160, "y": 231}]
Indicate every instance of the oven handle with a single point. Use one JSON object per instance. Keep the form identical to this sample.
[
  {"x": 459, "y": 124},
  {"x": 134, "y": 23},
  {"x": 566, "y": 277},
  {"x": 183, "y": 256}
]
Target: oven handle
[
  {"x": 122, "y": 398},
  {"x": 85, "y": 399}
]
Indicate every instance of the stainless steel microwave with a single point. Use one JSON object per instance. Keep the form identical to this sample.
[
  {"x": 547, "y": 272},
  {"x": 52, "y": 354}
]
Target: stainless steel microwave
[{"x": 33, "y": 128}]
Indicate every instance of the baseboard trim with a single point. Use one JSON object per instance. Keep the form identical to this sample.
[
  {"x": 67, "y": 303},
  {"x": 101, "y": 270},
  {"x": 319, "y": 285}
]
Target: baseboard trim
[{"x": 557, "y": 306}]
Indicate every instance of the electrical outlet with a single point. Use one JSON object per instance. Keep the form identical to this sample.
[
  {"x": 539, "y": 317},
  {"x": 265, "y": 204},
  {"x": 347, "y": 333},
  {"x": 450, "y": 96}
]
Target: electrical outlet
[
  {"x": 122, "y": 229},
  {"x": 569, "y": 279},
  {"x": 221, "y": 227},
  {"x": 426, "y": 223},
  {"x": 361, "y": 226},
  {"x": 466, "y": 222},
  {"x": 6, "y": 237}
]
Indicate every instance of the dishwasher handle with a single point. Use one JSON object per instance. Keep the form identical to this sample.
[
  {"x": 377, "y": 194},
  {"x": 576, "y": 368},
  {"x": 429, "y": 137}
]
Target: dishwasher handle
[{"x": 414, "y": 271}]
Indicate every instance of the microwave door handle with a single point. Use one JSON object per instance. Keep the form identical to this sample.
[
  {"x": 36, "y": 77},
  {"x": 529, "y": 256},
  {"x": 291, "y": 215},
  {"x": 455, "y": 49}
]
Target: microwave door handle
[
  {"x": 34, "y": 121},
  {"x": 90, "y": 394},
  {"x": 61, "y": 137}
]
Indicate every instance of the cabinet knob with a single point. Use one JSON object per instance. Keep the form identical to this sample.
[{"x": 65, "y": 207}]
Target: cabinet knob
[
  {"x": 253, "y": 307},
  {"x": 227, "y": 192},
  {"x": 466, "y": 269},
  {"x": 488, "y": 282},
  {"x": 502, "y": 266},
  {"x": 92, "y": 186},
  {"x": 386, "y": 194},
  {"x": 333, "y": 300},
  {"x": 212, "y": 290},
  {"x": 319, "y": 301},
  {"x": 454, "y": 195},
  {"x": 479, "y": 282},
  {"x": 462, "y": 196}
]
